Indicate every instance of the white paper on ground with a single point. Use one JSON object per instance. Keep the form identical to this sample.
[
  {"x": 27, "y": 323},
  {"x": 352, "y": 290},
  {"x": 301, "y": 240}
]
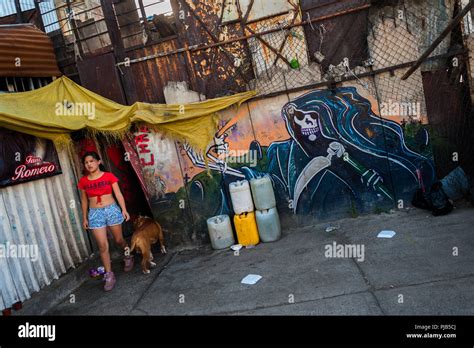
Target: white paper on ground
[
  {"x": 251, "y": 279},
  {"x": 386, "y": 234},
  {"x": 332, "y": 228}
]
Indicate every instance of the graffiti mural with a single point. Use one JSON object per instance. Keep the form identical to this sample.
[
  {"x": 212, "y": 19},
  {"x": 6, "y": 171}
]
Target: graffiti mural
[
  {"x": 328, "y": 153},
  {"x": 339, "y": 157}
]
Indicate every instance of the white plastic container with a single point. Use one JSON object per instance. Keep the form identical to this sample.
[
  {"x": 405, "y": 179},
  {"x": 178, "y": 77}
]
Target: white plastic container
[
  {"x": 220, "y": 232},
  {"x": 241, "y": 197},
  {"x": 262, "y": 191},
  {"x": 268, "y": 223}
]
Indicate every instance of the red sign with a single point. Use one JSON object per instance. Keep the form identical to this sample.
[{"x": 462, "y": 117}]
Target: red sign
[
  {"x": 34, "y": 166},
  {"x": 26, "y": 158}
]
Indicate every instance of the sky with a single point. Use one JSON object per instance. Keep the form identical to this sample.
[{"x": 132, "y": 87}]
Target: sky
[
  {"x": 7, "y": 7},
  {"x": 162, "y": 7}
]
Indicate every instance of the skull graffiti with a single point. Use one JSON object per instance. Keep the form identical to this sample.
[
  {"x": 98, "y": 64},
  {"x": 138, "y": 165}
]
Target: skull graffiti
[
  {"x": 309, "y": 126},
  {"x": 306, "y": 123}
]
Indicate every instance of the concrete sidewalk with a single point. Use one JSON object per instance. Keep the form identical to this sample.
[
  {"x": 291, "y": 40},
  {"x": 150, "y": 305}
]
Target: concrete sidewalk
[{"x": 415, "y": 272}]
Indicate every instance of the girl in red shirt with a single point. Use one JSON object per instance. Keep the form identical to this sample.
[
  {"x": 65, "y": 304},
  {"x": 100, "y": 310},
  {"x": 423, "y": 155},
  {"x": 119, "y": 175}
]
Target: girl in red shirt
[{"x": 100, "y": 210}]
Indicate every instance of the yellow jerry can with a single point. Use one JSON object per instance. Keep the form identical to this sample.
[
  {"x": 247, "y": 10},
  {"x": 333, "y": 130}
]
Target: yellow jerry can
[{"x": 246, "y": 228}]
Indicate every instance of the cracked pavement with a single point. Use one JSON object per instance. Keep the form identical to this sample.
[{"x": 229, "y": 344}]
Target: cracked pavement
[{"x": 414, "y": 273}]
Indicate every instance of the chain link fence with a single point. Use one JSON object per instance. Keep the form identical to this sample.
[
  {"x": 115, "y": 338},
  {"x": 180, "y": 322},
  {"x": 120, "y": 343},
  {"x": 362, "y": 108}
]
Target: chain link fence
[{"x": 381, "y": 43}]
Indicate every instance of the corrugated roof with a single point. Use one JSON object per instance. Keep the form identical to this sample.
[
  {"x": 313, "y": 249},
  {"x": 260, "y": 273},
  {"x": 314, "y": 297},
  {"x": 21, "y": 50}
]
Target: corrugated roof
[{"x": 32, "y": 46}]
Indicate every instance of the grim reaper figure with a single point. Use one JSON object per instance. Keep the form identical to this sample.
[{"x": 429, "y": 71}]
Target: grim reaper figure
[{"x": 340, "y": 156}]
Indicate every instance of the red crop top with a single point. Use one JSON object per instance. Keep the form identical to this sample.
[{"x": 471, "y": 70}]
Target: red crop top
[{"x": 98, "y": 187}]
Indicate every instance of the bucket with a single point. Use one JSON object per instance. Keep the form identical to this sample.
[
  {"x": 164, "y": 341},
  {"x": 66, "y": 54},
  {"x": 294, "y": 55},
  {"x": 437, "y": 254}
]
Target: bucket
[
  {"x": 262, "y": 192},
  {"x": 268, "y": 224},
  {"x": 220, "y": 232},
  {"x": 241, "y": 197}
]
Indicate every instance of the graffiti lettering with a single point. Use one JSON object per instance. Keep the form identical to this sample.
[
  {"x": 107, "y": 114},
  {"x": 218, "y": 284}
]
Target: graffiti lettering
[
  {"x": 150, "y": 163},
  {"x": 143, "y": 148},
  {"x": 141, "y": 138},
  {"x": 142, "y": 142}
]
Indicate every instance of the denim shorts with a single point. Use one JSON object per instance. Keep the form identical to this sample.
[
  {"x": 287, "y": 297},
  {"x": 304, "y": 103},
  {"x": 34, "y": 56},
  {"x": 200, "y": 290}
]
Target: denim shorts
[{"x": 107, "y": 216}]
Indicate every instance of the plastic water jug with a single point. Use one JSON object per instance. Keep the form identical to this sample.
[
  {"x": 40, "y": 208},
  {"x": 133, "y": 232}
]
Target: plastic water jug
[
  {"x": 268, "y": 224},
  {"x": 241, "y": 197},
  {"x": 220, "y": 232},
  {"x": 246, "y": 228},
  {"x": 262, "y": 191}
]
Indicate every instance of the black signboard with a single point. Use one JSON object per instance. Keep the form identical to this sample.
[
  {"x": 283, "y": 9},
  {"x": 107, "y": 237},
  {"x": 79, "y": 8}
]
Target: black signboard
[{"x": 24, "y": 158}]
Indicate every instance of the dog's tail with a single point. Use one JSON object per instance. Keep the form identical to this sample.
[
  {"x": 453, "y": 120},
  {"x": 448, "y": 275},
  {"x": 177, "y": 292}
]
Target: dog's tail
[
  {"x": 134, "y": 244},
  {"x": 161, "y": 237}
]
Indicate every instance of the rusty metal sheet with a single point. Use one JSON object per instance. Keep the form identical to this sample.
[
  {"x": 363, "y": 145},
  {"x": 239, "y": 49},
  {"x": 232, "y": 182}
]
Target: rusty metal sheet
[
  {"x": 151, "y": 76},
  {"x": 336, "y": 38},
  {"x": 92, "y": 71},
  {"x": 219, "y": 70},
  {"x": 32, "y": 46}
]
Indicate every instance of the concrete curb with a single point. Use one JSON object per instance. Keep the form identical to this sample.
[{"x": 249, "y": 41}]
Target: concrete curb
[{"x": 51, "y": 295}]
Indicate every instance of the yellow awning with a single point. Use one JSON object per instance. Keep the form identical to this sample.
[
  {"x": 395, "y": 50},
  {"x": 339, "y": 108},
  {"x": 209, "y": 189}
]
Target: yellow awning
[{"x": 58, "y": 109}]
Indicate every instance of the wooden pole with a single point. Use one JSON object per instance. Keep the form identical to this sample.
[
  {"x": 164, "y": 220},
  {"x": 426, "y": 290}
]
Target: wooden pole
[
  {"x": 145, "y": 20},
  {"x": 265, "y": 43},
  {"x": 19, "y": 12},
  {"x": 74, "y": 29},
  {"x": 40, "y": 17},
  {"x": 119, "y": 51}
]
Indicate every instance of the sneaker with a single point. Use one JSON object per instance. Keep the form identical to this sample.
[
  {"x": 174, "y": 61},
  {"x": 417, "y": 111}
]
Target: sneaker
[
  {"x": 129, "y": 262},
  {"x": 109, "y": 281}
]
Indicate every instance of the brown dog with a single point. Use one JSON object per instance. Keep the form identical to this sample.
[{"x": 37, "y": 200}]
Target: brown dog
[{"x": 147, "y": 232}]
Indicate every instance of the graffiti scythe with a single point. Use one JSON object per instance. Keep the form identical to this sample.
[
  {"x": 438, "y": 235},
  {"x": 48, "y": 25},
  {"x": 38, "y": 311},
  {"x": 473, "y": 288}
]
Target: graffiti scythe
[
  {"x": 316, "y": 165},
  {"x": 320, "y": 163}
]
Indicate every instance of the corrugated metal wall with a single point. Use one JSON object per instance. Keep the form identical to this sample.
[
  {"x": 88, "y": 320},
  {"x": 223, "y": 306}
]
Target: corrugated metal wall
[
  {"x": 46, "y": 213},
  {"x": 30, "y": 48}
]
